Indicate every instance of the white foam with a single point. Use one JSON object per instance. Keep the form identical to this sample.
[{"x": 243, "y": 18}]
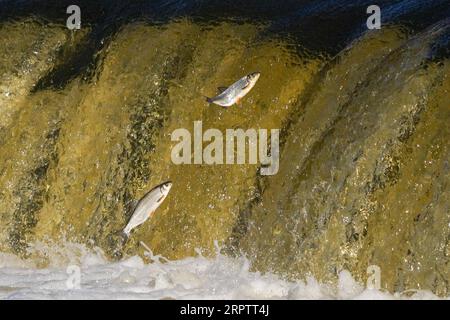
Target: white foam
[{"x": 191, "y": 278}]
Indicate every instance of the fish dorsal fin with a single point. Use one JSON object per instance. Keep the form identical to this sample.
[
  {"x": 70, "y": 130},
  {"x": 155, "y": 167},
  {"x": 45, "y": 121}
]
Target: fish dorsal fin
[
  {"x": 131, "y": 206},
  {"x": 222, "y": 89}
]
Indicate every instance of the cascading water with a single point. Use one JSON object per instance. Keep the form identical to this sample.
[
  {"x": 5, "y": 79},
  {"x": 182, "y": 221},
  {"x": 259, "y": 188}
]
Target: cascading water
[{"x": 86, "y": 119}]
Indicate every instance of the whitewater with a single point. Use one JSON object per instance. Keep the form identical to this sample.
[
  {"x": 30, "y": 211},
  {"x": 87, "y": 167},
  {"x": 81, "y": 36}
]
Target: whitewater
[{"x": 75, "y": 272}]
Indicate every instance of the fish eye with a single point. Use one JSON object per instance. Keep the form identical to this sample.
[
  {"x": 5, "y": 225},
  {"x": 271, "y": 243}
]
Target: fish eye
[{"x": 166, "y": 185}]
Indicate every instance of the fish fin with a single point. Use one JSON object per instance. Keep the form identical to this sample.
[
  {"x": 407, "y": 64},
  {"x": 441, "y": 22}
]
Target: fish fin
[
  {"x": 160, "y": 199},
  {"x": 238, "y": 101},
  {"x": 131, "y": 205},
  {"x": 222, "y": 89},
  {"x": 146, "y": 247}
]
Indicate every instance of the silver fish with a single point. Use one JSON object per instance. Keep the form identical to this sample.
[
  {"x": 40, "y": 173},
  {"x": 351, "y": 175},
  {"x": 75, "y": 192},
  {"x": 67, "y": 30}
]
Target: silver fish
[
  {"x": 147, "y": 205},
  {"x": 234, "y": 93}
]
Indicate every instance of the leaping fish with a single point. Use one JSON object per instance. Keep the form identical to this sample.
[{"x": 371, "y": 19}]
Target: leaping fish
[
  {"x": 234, "y": 93},
  {"x": 147, "y": 205}
]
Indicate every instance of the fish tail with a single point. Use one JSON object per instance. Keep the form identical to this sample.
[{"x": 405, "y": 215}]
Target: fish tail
[
  {"x": 125, "y": 234},
  {"x": 208, "y": 99}
]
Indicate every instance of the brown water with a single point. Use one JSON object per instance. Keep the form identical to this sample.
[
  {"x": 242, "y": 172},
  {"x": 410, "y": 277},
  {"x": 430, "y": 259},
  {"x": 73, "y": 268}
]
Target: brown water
[{"x": 364, "y": 169}]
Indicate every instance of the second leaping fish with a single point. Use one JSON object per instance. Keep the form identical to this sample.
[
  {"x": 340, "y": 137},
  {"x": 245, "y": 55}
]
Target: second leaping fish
[
  {"x": 147, "y": 205},
  {"x": 234, "y": 93}
]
